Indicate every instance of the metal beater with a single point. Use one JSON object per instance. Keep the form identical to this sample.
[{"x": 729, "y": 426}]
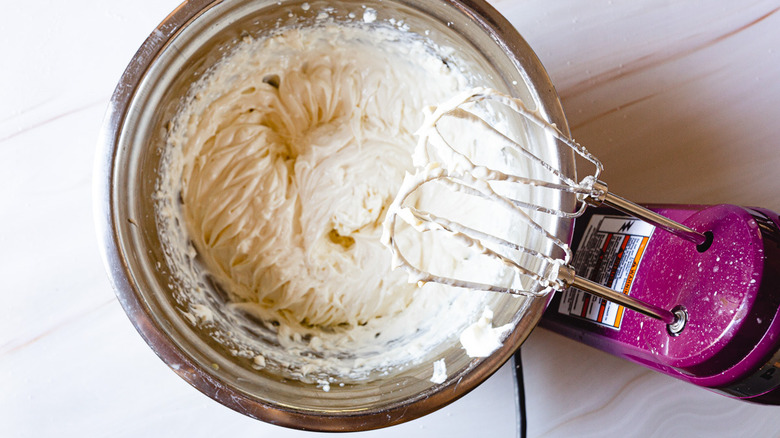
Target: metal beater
[
  {"x": 468, "y": 177},
  {"x": 722, "y": 325}
]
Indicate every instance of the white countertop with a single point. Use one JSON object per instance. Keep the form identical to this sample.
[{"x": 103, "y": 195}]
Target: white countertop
[{"x": 680, "y": 100}]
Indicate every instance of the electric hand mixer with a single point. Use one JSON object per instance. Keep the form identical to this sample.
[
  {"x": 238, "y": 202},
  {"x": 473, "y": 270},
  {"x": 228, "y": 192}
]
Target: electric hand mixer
[{"x": 703, "y": 288}]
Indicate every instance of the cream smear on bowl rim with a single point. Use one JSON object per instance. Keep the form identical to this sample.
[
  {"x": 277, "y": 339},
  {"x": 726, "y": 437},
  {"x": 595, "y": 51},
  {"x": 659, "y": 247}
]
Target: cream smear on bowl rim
[{"x": 277, "y": 172}]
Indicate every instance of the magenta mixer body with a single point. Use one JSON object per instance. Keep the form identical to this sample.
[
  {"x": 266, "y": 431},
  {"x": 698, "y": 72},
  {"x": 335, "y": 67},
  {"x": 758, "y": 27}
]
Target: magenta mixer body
[{"x": 730, "y": 292}]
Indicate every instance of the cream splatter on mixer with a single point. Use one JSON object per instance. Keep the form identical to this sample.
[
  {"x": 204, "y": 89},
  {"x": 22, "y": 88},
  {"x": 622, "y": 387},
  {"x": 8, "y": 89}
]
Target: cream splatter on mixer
[{"x": 280, "y": 166}]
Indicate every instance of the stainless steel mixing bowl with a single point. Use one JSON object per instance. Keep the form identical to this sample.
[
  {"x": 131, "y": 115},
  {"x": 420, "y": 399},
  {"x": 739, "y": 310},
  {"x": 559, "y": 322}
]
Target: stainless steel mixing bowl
[{"x": 183, "y": 46}]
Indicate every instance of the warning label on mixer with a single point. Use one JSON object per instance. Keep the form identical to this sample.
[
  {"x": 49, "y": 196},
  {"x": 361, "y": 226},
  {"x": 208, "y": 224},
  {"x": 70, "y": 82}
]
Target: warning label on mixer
[{"x": 609, "y": 253}]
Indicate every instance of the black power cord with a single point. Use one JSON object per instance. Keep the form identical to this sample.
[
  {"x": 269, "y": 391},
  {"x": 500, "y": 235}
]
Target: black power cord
[{"x": 522, "y": 424}]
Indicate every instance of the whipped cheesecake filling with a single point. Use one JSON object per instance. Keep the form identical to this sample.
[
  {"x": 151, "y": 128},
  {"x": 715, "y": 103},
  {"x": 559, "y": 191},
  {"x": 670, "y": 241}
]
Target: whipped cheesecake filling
[{"x": 278, "y": 172}]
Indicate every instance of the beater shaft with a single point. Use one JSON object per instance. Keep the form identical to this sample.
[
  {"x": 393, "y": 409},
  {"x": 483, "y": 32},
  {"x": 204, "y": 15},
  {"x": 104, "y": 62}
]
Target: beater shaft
[
  {"x": 568, "y": 276},
  {"x": 628, "y": 207}
]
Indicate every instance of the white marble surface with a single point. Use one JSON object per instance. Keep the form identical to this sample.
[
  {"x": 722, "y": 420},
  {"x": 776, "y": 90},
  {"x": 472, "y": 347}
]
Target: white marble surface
[{"x": 678, "y": 99}]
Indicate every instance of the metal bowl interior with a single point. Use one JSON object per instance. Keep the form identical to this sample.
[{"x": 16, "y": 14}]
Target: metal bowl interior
[{"x": 179, "y": 51}]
